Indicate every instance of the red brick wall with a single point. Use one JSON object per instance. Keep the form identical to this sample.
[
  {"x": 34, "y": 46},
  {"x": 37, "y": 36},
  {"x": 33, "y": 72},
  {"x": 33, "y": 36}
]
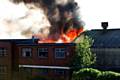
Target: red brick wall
[
  {"x": 7, "y": 60},
  {"x": 35, "y": 60}
]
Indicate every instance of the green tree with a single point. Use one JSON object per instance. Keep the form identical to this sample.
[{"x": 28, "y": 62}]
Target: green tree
[{"x": 83, "y": 56}]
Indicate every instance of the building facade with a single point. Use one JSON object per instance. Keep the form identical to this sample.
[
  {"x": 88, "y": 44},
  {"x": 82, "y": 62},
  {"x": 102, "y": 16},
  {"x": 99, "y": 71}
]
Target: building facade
[
  {"x": 5, "y": 61},
  {"x": 25, "y": 59},
  {"x": 106, "y": 46}
]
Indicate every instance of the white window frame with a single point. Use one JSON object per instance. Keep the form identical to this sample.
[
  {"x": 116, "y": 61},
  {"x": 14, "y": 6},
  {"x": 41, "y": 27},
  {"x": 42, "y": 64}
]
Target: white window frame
[
  {"x": 42, "y": 50},
  {"x": 24, "y": 50},
  {"x": 60, "y": 51},
  {"x": 3, "y": 52}
]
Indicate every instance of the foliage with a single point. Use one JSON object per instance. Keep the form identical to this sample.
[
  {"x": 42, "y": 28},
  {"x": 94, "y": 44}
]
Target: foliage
[
  {"x": 109, "y": 75},
  {"x": 95, "y": 74},
  {"x": 83, "y": 56}
]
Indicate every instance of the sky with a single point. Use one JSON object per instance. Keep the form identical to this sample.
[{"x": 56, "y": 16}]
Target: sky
[{"x": 93, "y": 12}]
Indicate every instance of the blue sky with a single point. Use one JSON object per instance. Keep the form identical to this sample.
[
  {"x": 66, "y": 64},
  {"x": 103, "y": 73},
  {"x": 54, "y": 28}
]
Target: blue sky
[{"x": 93, "y": 12}]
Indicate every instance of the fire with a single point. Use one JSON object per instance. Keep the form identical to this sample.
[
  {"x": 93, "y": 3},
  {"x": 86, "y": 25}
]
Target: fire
[{"x": 64, "y": 38}]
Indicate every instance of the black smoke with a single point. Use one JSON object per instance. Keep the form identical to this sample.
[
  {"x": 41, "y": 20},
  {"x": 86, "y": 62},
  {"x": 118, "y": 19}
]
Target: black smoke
[
  {"x": 56, "y": 14},
  {"x": 60, "y": 21}
]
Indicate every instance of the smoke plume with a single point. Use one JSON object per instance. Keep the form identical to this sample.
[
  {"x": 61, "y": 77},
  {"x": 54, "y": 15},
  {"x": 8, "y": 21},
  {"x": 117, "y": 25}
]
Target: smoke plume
[
  {"x": 20, "y": 20},
  {"x": 48, "y": 18}
]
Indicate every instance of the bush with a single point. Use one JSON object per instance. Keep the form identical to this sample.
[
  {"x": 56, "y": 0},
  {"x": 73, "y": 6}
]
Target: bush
[
  {"x": 109, "y": 75},
  {"x": 95, "y": 74}
]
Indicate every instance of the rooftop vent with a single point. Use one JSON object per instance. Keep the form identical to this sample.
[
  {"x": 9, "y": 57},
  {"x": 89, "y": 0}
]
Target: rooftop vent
[
  {"x": 34, "y": 39},
  {"x": 104, "y": 25}
]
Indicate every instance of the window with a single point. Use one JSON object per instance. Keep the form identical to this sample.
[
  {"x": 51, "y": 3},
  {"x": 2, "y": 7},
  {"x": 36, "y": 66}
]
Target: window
[
  {"x": 3, "y": 52},
  {"x": 59, "y": 72},
  {"x": 41, "y": 71},
  {"x": 26, "y": 52},
  {"x": 3, "y": 69},
  {"x": 3, "y": 72},
  {"x": 42, "y": 52},
  {"x": 60, "y": 53},
  {"x": 4, "y": 77}
]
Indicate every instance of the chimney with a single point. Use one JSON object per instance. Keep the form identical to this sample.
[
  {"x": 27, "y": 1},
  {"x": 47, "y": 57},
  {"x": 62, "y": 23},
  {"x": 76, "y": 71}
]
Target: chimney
[{"x": 104, "y": 25}]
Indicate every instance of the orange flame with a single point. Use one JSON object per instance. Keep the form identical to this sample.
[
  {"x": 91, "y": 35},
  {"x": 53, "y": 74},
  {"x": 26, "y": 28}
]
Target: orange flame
[
  {"x": 70, "y": 35},
  {"x": 64, "y": 38}
]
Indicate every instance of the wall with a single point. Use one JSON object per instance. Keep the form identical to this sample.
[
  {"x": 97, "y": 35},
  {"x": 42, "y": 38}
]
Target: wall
[
  {"x": 14, "y": 59},
  {"x": 49, "y": 61},
  {"x": 107, "y": 57},
  {"x": 35, "y": 60},
  {"x": 6, "y": 61}
]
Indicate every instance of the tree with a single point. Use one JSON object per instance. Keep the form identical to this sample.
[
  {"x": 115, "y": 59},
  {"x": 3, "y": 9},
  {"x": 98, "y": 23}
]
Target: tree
[
  {"x": 83, "y": 56},
  {"x": 82, "y": 61}
]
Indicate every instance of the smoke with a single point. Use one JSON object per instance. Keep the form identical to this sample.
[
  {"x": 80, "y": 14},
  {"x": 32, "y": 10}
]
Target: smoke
[
  {"x": 48, "y": 18},
  {"x": 63, "y": 15},
  {"x": 21, "y": 20}
]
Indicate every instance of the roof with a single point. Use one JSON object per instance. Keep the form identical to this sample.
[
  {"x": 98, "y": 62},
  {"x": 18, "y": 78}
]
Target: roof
[
  {"x": 48, "y": 44},
  {"x": 34, "y": 42},
  {"x": 19, "y": 41},
  {"x": 109, "y": 38}
]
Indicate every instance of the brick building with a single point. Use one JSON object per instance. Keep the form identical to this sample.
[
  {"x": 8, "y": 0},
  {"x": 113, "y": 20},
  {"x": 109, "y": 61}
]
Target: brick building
[
  {"x": 5, "y": 60},
  {"x": 25, "y": 58}
]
